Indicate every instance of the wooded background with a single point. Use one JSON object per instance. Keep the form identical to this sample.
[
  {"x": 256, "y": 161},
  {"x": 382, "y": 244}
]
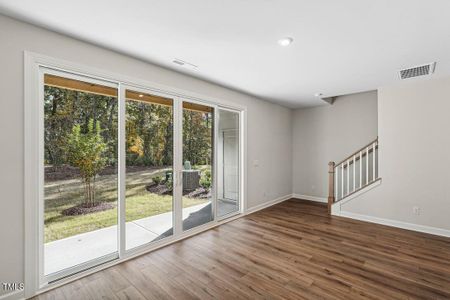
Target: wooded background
[{"x": 149, "y": 128}]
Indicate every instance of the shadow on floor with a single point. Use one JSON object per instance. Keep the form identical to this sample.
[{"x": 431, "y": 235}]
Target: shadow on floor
[{"x": 202, "y": 216}]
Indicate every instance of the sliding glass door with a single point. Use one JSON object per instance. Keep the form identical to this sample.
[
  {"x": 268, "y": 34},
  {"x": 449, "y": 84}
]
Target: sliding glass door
[
  {"x": 80, "y": 164},
  {"x": 125, "y": 168},
  {"x": 149, "y": 171},
  {"x": 228, "y": 162},
  {"x": 198, "y": 160}
]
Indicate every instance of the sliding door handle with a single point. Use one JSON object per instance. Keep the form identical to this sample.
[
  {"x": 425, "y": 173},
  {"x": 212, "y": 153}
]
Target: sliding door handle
[{"x": 180, "y": 178}]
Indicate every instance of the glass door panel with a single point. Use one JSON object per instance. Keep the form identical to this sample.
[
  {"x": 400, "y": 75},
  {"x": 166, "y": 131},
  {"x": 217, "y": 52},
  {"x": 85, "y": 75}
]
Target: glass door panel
[
  {"x": 198, "y": 160},
  {"x": 149, "y": 172},
  {"x": 80, "y": 172},
  {"x": 228, "y": 163}
]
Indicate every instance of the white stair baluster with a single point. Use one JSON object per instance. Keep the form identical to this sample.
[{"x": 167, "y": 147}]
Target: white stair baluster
[
  {"x": 367, "y": 165},
  {"x": 342, "y": 180},
  {"x": 347, "y": 188},
  {"x": 348, "y": 176},
  {"x": 354, "y": 173},
  {"x": 373, "y": 159},
  {"x": 360, "y": 169}
]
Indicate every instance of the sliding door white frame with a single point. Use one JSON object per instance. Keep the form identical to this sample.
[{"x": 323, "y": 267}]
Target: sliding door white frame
[
  {"x": 33, "y": 179},
  {"x": 122, "y": 171},
  {"x": 176, "y": 166},
  {"x": 213, "y": 160},
  {"x": 45, "y": 279},
  {"x": 240, "y": 161}
]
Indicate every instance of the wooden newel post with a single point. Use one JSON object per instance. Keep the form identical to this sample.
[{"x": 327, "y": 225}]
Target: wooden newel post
[{"x": 330, "y": 185}]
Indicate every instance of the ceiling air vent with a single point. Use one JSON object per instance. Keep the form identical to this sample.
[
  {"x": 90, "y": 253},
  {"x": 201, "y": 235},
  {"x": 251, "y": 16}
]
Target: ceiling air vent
[
  {"x": 178, "y": 62},
  {"x": 184, "y": 63},
  {"x": 423, "y": 70}
]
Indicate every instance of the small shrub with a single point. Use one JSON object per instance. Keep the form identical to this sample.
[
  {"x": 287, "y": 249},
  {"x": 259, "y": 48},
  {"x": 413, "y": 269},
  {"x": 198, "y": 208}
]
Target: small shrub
[
  {"x": 168, "y": 175},
  {"x": 169, "y": 184},
  {"x": 205, "y": 179},
  {"x": 157, "y": 179}
]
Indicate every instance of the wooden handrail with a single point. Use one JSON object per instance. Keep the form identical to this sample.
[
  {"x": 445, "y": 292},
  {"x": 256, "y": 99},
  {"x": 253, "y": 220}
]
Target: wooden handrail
[
  {"x": 356, "y": 152},
  {"x": 356, "y": 158}
]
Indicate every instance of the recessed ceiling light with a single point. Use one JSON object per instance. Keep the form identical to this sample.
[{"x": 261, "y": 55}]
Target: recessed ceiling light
[
  {"x": 140, "y": 95},
  {"x": 285, "y": 41},
  {"x": 318, "y": 95}
]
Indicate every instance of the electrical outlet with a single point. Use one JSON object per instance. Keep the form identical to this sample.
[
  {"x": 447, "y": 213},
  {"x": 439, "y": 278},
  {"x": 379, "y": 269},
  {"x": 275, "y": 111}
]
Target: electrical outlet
[{"x": 416, "y": 210}]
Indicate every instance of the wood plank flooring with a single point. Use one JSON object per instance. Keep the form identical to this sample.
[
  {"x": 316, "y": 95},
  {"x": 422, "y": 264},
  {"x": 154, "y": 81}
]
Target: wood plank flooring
[{"x": 292, "y": 250}]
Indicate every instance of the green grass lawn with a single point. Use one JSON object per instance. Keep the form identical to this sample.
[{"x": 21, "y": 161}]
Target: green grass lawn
[{"x": 63, "y": 194}]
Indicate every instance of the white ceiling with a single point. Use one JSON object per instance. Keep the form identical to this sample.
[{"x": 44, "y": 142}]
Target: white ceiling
[{"x": 339, "y": 47}]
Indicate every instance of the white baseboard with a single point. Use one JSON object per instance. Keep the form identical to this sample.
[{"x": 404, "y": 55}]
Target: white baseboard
[
  {"x": 16, "y": 295},
  {"x": 394, "y": 223},
  {"x": 267, "y": 204},
  {"x": 310, "y": 198},
  {"x": 336, "y": 210}
]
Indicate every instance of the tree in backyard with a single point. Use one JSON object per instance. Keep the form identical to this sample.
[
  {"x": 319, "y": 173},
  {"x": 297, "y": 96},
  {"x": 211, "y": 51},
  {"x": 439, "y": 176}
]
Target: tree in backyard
[
  {"x": 86, "y": 152},
  {"x": 59, "y": 112},
  {"x": 197, "y": 137},
  {"x": 63, "y": 108},
  {"x": 148, "y": 134},
  {"x": 149, "y": 129}
]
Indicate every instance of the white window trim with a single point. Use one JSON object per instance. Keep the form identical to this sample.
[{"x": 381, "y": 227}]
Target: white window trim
[{"x": 33, "y": 177}]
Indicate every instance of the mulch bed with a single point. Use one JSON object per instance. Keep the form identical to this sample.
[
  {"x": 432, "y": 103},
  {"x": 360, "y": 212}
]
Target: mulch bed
[
  {"x": 84, "y": 209},
  {"x": 161, "y": 189},
  {"x": 200, "y": 192}
]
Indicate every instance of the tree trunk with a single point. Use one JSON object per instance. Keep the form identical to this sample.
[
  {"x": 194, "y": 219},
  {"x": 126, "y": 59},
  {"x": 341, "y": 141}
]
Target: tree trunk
[
  {"x": 93, "y": 191},
  {"x": 86, "y": 192}
]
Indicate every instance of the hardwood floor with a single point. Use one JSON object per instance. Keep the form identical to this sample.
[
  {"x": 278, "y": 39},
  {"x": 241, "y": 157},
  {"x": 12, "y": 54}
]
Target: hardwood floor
[{"x": 292, "y": 250}]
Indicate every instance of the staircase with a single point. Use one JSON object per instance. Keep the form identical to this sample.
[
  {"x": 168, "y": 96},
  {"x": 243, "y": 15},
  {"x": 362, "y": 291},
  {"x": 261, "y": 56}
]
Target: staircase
[{"x": 353, "y": 175}]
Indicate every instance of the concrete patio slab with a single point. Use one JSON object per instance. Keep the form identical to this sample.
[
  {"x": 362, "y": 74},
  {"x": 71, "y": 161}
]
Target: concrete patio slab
[{"x": 81, "y": 248}]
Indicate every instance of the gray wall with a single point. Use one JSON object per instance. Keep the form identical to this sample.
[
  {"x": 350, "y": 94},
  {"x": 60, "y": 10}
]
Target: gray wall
[
  {"x": 269, "y": 126},
  {"x": 330, "y": 133},
  {"x": 414, "y": 160}
]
